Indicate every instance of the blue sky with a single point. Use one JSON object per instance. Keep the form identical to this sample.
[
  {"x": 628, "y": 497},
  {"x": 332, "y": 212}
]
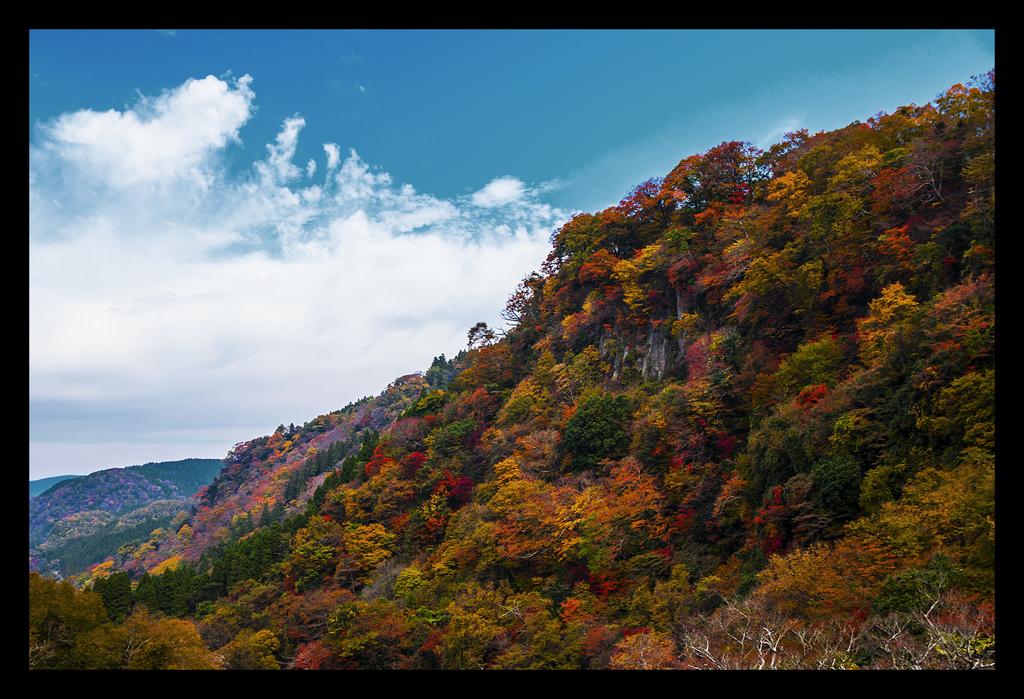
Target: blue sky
[{"x": 233, "y": 230}]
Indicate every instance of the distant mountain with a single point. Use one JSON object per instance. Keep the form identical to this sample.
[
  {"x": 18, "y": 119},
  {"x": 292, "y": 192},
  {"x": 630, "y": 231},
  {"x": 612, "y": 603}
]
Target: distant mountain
[
  {"x": 89, "y": 506},
  {"x": 40, "y": 486}
]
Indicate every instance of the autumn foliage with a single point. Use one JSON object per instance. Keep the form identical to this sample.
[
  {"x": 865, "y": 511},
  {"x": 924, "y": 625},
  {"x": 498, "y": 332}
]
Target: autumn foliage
[{"x": 743, "y": 419}]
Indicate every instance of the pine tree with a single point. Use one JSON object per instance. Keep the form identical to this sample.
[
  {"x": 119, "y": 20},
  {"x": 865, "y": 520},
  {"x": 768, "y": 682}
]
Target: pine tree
[{"x": 116, "y": 591}]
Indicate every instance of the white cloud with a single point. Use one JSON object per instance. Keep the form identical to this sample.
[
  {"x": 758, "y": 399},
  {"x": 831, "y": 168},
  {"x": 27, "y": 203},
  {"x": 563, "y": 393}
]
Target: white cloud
[
  {"x": 333, "y": 155},
  {"x": 280, "y": 167},
  {"x": 210, "y": 301},
  {"x": 160, "y": 139},
  {"x": 356, "y": 182},
  {"x": 499, "y": 192}
]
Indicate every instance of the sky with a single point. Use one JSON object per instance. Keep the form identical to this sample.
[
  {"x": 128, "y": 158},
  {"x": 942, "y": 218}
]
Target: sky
[{"x": 229, "y": 231}]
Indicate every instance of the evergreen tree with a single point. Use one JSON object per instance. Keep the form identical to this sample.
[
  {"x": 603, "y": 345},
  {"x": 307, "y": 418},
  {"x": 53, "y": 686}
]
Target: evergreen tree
[
  {"x": 116, "y": 592},
  {"x": 277, "y": 513},
  {"x": 147, "y": 592}
]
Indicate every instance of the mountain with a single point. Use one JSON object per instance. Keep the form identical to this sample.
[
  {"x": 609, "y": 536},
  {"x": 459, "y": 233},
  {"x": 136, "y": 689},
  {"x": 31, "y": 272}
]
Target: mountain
[
  {"x": 89, "y": 515},
  {"x": 39, "y": 486},
  {"x": 745, "y": 418}
]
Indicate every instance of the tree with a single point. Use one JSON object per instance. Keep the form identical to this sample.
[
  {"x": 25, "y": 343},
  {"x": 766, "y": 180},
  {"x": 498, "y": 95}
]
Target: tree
[
  {"x": 314, "y": 553},
  {"x": 369, "y": 545},
  {"x": 727, "y": 174},
  {"x": 149, "y": 641},
  {"x": 480, "y": 336},
  {"x": 252, "y": 650},
  {"x": 824, "y": 579},
  {"x": 596, "y": 431},
  {"x": 888, "y": 323},
  {"x": 647, "y": 202},
  {"x": 610, "y": 523},
  {"x": 837, "y": 481},
  {"x": 60, "y": 621},
  {"x": 116, "y": 592},
  {"x": 645, "y": 650}
]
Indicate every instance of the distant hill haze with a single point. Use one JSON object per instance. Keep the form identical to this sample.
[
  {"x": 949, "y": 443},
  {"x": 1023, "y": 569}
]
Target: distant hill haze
[{"x": 40, "y": 486}]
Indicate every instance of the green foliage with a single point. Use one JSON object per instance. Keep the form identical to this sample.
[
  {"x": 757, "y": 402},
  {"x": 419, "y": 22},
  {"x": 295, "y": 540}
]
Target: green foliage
[
  {"x": 917, "y": 589},
  {"x": 451, "y": 438},
  {"x": 596, "y": 431},
  {"x": 250, "y": 558},
  {"x": 116, "y": 592},
  {"x": 428, "y": 404},
  {"x": 964, "y": 416},
  {"x": 813, "y": 363},
  {"x": 837, "y": 480}
]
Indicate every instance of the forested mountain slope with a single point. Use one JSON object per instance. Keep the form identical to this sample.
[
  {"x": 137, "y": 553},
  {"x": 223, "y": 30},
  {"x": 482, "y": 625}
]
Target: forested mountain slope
[
  {"x": 745, "y": 418},
  {"x": 77, "y": 521}
]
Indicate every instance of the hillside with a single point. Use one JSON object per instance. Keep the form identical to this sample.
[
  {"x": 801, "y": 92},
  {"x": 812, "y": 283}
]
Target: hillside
[
  {"x": 82, "y": 517},
  {"x": 745, "y": 418}
]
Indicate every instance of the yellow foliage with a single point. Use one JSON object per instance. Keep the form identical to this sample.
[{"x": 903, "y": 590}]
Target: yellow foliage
[
  {"x": 369, "y": 544},
  {"x": 951, "y": 511},
  {"x": 855, "y": 171},
  {"x": 644, "y": 651},
  {"x": 170, "y": 564},
  {"x": 684, "y": 323},
  {"x": 469, "y": 636},
  {"x": 889, "y": 316},
  {"x": 407, "y": 581},
  {"x": 629, "y": 272},
  {"x": 791, "y": 191},
  {"x": 252, "y": 650},
  {"x": 529, "y": 399},
  {"x": 148, "y": 641},
  {"x": 89, "y": 577},
  {"x": 823, "y": 579}
]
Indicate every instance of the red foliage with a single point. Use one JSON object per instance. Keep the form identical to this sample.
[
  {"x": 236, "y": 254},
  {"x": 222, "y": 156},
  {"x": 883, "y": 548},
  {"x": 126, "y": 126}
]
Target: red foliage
[
  {"x": 627, "y": 632},
  {"x": 648, "y": 202},
  {"x": 312, "y": 656},
  {"x": 377, "y": 461},
  {"x": 458, "y": 490},
  {"x": 684, "y": 520},
  {"x": 770, "y": 523},
  {"x": 604, "y": 584},
  {"x": 811, "y": 395},
  {"x": 434, "y": 639},
  {"x": 726, "y": 445},
  {"x": 598, "y": 268},
  {"x": 411, "y": 463}
]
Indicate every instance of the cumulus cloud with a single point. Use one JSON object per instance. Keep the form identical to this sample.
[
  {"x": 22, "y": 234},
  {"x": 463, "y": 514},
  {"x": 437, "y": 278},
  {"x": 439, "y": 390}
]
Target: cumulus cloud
[
  {"x": 161, "y": 139},
  {"x": 191, "y": 300},
  {"x": 499, "y": 192}
]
